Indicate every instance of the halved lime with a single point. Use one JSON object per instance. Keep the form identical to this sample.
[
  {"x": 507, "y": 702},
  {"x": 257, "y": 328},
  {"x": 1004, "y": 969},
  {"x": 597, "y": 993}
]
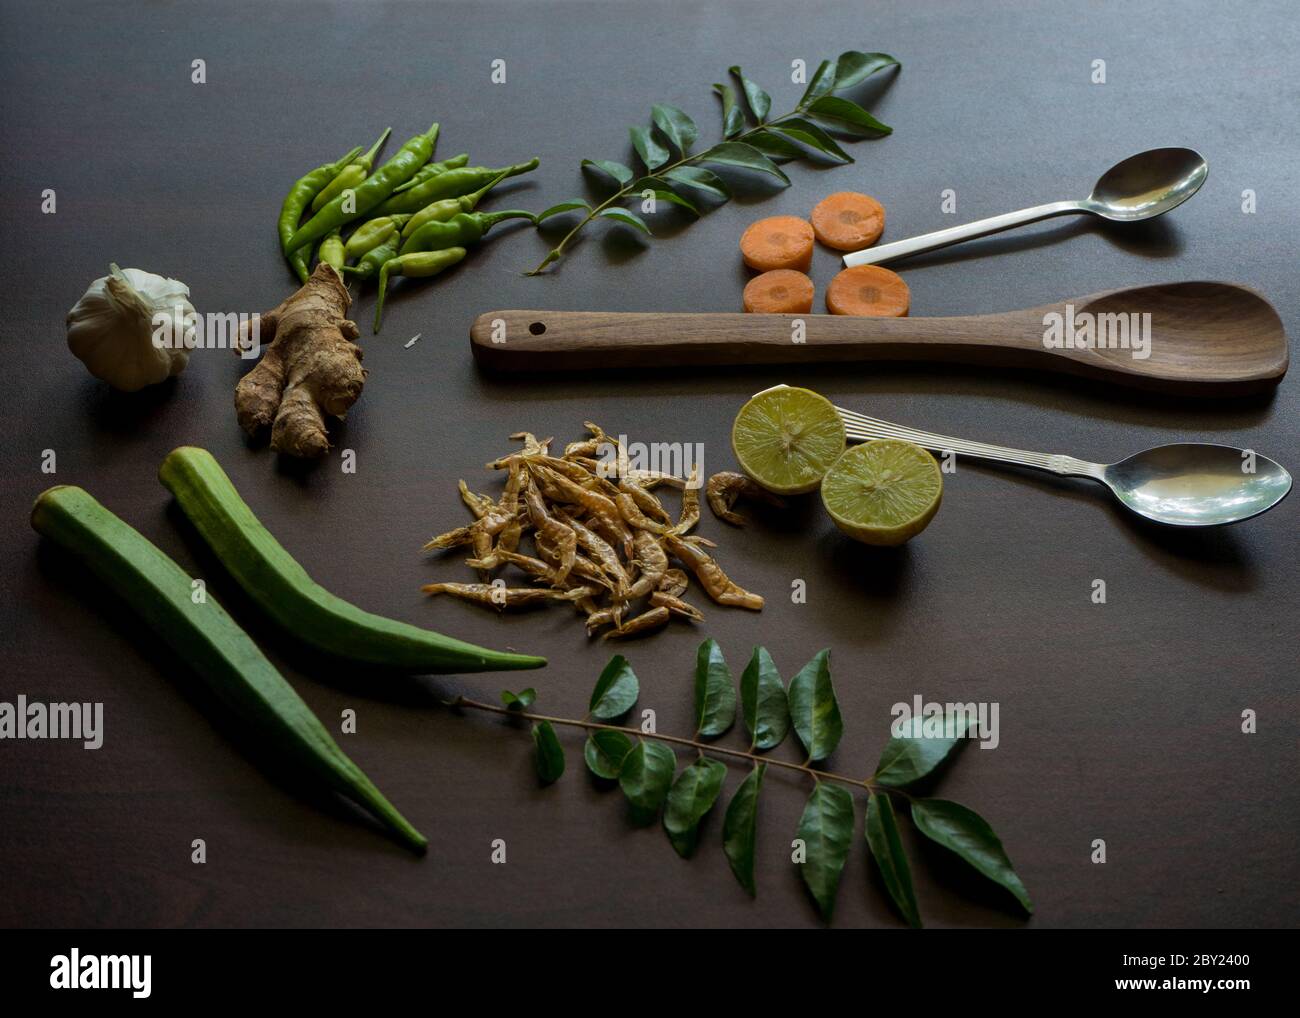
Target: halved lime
[
  {"x": 785, "y": 439},
  {"x": 883, "y": 492}
]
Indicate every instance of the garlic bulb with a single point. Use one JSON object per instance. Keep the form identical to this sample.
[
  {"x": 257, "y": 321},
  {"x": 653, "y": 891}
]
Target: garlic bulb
[{"x": 132, "y": 328}]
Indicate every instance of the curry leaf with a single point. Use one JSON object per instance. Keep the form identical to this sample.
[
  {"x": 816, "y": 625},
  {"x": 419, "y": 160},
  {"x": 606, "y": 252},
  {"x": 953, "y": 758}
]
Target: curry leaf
[
  {"x": 691, "y": 797},
  {"x": 646, "y": 773},
  {"x": 733, "y": 120},
  {"x": 700, "y": 179},
  {"x": 826, "y": 830},
  {"x": 845, "y": 115},
  {"x": 813, "y": 709},
  {"x": 762, "y": 701},
  {"x": 773, "y": 145},
  {"x": 605, "y": 752},
  {"x": 911, "y": 754},
  {"x": 648, "y": 148},
  {"x": 715, "y": 696},
  {"x": 966, "y": 833},
  {"x": 808, "y": 134},
  {"x": 550, "y": 755},
  {"x": 737, "y": 153},
  {"x": 853, "y": 67},
  {"x": 564, "y": 206},
  {"x": 887, "y": 849},
  {"x": 607, "y": 167},
  {"x": 823, "y": 81},
  {"x": 655, "y": 186},
  {"x": 626, "y": 218},
  {"x": 616, "y": 690},
  {"x": 760, "y": 103},
  {"x": 677, "y": 127},
  {"x": 519, "y": 701},
  {"x": 740, "y": 826}
]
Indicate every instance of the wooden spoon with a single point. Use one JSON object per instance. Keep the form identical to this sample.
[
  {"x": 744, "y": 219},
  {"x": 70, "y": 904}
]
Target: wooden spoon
[{"x": 1205, "y": 338}]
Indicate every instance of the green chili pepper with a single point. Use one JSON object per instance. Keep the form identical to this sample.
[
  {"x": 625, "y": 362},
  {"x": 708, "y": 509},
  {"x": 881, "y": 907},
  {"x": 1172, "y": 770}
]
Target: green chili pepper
[
  {"x": 296, "y": 202},
  {"x": 432, "y": 170},
  {"x": 420, "y": 263},
  {"x": 460, "y": 230},
  {"x": 332, "y": 251},
  {"x": 351, "y": 175},
  {"x": 374, "y": 259},
  {"x": 451, "y": 184},
  {"x": 373, "y": 233},
  {"x": 370, "y": 192},
  {"x": 441, "y": 211}
]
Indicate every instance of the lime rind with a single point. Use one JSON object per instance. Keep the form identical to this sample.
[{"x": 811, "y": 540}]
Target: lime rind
[
  {"x": 787, "y": 438},
  {"x": 883, "y": 492}
]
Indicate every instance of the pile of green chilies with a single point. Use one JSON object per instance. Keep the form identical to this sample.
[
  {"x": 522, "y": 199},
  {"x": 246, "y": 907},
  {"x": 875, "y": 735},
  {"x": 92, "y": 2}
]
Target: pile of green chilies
[{"x": 410, "y": 217}]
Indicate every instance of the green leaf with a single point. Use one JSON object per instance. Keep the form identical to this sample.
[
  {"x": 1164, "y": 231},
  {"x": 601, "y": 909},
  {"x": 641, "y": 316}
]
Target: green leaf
[
  {"x": 550, "y": 755},
  {"x": 605, "y": 752},
  {"x": 519, "y": 701},
  {"x": 773, "y": 145},
  {"x": 965, "y": 832},
  {"x": 887, "y": 849},
  {"x": 616, "y": 690},
  {"x": 762, "y": 701},
  {"x": 648, "y": 148},
  {"x": 700, "y": 179},
  {"x": 912, "y": 755},
  {"x": 737, "y": 153},
  {"x": 677, "y": 127},
  {"x": 715, "y": 695},
  {"x": 661, "y": 193},
  {"x": 808, "y": 134},
  {"x": 826, "y": 829},
  {"x": 813, "y": 709},
  {"x": 823, "y": 81},
  {"x": 645, "y": 776},
  {"x": 564, "y": 206},
  {"x": 853, "y": 67},
  {"x": 606, "y": 167},
  {"x": 760, "y": 103},
  {"x": 739, "y": 828},
  {"x": 626, "y": 218},
  {"x": 845, "y": 115},
  {"x": 691, "y": 797},
  {"x": 733, "y": 121}
]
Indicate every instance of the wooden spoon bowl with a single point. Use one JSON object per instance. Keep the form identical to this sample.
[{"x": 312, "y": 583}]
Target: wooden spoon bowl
[{"x": 1201, "y": 338}]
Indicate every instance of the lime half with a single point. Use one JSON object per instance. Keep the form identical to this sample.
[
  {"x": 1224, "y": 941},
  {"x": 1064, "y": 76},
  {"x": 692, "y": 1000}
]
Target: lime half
[
  {"x": 883, "y": 492},
  {"x": 786, "y": 438}
]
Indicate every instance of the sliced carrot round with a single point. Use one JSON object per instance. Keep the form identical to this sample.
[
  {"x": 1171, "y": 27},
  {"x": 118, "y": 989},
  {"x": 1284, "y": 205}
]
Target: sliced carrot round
[
  {"x": 779, "y": 292},
  {"x": 868, "y": 290},
  {"x": 778, "y": 242},
  {"x": 848, "y": 221}
]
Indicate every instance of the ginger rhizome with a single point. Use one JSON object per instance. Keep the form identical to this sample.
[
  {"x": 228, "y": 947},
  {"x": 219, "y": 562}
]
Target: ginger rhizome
[{"x": 310, "y": 368}]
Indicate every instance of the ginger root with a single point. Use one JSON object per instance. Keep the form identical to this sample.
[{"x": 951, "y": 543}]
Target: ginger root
[{"x": 310, "y": 368}]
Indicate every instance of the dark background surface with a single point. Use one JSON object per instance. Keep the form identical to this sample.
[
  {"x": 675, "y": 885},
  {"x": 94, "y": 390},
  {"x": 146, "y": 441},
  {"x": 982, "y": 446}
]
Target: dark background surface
[{"x": 1118, "y": 721}]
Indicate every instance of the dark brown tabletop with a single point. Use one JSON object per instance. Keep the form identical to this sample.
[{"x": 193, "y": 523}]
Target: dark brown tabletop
[{"x": 1119, "y": 721}]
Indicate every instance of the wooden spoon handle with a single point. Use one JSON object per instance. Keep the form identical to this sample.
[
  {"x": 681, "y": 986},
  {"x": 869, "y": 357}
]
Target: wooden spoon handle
[{"x": 586, "y": 340}]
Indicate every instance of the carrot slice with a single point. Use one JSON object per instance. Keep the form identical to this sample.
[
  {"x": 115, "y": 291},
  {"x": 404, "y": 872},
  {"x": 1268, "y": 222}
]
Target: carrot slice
[
  {"x": 778, "y": 242},
  {"x": 779, "y": 292},
  {"x": 848, "y": 221},
  {"x": 868, "y": 290}
]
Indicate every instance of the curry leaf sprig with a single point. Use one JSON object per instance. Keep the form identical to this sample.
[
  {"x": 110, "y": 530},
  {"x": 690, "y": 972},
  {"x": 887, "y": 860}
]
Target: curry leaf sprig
[
  {"x": 758, "y": 144},
  {"x": 644, "y": 766}
]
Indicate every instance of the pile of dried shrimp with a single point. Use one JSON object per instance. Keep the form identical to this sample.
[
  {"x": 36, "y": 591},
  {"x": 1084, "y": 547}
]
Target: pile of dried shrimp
[{"x": 601, "y": 538}]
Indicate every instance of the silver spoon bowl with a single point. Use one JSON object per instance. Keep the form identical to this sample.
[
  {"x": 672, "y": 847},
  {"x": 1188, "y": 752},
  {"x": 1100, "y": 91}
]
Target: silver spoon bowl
[
  {"x": 1187, "y": 484},
  {"x": 1143, "y": 186}
]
